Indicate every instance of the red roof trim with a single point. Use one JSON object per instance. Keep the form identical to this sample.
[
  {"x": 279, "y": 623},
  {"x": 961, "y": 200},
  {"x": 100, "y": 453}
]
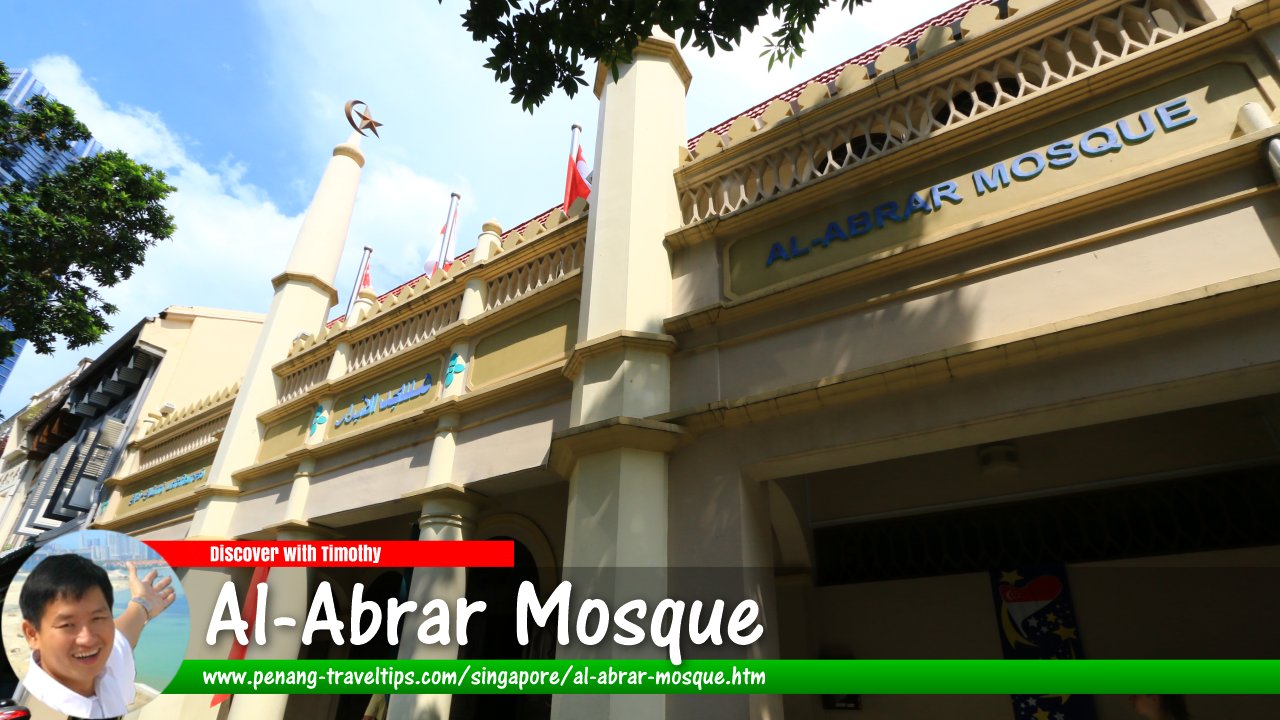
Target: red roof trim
[{"x": 866, "y": 57}]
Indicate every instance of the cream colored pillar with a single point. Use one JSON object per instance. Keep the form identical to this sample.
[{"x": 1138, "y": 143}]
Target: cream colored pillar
[
  {"x": 617, "y": 512},
  {"x": 440, "y": 465},
  {"x": 296, "y": 510},
  {"x": 304, "y": 293},
  {"x": 448, "y": 513},
  {"x": 288, "y": 595},
  {"x": 474, "y": 296},
  {"x": 1251, "y": 118},
  {"x": 627, "y": 274},
  {"x": 362, "y": 309}
]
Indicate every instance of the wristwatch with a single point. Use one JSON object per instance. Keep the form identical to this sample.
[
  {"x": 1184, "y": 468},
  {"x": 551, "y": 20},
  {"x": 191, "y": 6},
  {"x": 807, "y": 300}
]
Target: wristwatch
[{"x": 146, "y": 606}]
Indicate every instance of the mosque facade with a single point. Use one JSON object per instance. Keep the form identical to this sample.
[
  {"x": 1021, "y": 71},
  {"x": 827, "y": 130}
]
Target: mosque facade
[{"x": 964, "y": 349}]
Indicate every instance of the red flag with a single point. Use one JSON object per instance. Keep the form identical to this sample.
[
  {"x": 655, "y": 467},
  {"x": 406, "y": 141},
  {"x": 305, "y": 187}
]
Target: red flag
[
  {"x": 248, "y": 614},
  {"x": 575, "y": 183},
  {"x": 365, "y": 280}
]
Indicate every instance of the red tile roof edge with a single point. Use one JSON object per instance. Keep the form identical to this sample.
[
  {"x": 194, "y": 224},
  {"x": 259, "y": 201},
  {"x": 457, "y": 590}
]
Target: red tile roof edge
[{"x": 866, "y": 57}]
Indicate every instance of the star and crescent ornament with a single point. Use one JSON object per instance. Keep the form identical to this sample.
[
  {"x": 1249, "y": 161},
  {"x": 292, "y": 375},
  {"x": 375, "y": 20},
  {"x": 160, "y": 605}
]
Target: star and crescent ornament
[{"x": 366, "y": 118}]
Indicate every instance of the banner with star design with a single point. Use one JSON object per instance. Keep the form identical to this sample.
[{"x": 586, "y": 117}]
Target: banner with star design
[{"x": 1037, "y": 621}]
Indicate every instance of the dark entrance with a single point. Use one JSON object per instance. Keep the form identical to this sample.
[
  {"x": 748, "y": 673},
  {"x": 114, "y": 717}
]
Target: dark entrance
[
  {"x": 386, "y": 586},
  {"x": 493, "y": 636},
  {"x": 1219, "y": 511}
]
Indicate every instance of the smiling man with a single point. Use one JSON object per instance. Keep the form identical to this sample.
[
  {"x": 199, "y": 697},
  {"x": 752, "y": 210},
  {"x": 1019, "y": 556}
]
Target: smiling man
[{"x": 81, "y": 657}]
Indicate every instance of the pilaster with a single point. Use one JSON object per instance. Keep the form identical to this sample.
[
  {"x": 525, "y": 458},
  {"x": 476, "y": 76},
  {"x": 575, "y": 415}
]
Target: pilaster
[
  {"x": 288, "y": 595},
  {"x": 615, "y": 459},
  {"x": 448, "y": 513}
]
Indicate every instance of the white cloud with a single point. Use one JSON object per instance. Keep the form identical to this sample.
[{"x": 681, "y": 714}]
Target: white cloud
[
  {"x": 399, "y": 214},
  {"x": 230, "y": 239},
  {"x": 447, "y": 122},
  {"x": 229, "y": 242},
  {"x": 447, "y": 118}
]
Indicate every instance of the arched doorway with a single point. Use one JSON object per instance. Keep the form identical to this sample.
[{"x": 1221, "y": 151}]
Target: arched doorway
[{"x": 492, "y": 636}]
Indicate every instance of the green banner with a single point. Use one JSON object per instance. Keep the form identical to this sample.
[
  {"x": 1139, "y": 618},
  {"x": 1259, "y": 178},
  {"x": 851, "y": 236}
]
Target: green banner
[{"x": 771, "y": 677}]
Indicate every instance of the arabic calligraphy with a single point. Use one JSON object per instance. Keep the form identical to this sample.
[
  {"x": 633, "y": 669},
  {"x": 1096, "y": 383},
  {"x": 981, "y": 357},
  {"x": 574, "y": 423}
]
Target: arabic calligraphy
[
  {"x": 378, "y": 402},
  {"x": 319, "y": 419}
]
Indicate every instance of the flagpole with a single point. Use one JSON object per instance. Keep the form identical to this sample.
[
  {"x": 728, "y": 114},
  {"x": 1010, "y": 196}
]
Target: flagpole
[
  {"x": 364, "y": 259},
  {"x": 450, "y": 223},
  {"x": 574, "y": 131},
  {"x": 453, "y": 228}
]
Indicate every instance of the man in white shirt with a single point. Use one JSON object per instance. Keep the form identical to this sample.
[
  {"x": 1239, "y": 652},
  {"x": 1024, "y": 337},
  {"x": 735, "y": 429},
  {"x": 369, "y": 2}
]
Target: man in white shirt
[{"x": 82, "y": 658}]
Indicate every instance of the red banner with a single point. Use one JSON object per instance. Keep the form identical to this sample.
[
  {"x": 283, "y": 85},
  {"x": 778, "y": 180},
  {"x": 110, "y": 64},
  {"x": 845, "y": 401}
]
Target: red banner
[{"x": 336, "y": 553}]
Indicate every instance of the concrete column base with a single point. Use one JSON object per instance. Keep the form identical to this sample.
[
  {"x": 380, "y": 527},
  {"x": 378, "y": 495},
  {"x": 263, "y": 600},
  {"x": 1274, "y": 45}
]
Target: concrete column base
[
  {"x": 616, "y": 550},
  {"x": 448, "y": 513}
]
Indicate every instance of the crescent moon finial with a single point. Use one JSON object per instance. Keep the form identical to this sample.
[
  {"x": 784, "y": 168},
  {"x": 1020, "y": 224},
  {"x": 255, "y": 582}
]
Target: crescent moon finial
[{"x": 366, "y": 118}]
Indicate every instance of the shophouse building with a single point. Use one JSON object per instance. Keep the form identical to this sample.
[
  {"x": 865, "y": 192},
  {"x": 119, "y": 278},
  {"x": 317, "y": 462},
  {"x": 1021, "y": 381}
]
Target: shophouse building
[{"x": 71, "y": 438}]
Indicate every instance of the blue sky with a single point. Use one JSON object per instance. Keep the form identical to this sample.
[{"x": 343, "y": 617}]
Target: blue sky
[{"x": 240, "y": 103}]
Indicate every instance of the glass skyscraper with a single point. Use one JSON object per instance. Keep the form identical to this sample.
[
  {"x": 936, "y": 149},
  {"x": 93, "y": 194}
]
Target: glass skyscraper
[
  {"x": 6, "y": 365},
  {"x": 33, "y": 164}
]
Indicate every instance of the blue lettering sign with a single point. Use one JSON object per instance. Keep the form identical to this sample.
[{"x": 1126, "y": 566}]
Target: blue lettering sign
[
  {"x": 1019, "y": 167},
  {"x": 1132, "y": 138},
  {"x": 859, "y": 224},
  {"x": 1097, "y": 142},
  {"x": 1062, "y": 154},
  {"x": 1175, "y": 114},
  {"x": 984, "y": 183},
  {"x": 948, "y": 191},
  {"x": 177, "y": 482},
  {"x": 1091, "y": 147}
]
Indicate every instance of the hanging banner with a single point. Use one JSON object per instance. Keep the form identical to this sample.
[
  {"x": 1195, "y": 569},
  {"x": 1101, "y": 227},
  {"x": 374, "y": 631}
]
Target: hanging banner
[{"x": 1037, "y": 621}]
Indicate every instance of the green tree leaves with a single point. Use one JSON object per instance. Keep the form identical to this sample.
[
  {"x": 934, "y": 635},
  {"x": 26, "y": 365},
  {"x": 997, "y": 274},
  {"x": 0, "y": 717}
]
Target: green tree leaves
[
  {"x": 539, "y": 46},
  {"x": 68, "y": 234}
]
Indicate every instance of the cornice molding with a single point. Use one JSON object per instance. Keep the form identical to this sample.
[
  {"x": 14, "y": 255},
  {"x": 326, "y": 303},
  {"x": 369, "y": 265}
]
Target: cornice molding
[
  {"x": 653, "y": 47},
  {"x": 619, "y": 340},
  {"x": 570, "y": 446},
  {"x": 307, "y": 279}
]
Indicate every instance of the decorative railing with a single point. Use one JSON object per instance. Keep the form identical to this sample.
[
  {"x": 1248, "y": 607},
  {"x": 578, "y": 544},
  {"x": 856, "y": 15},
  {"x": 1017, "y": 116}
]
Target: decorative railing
[
  {"x": 417, "y": 328},
  {"x": 298, "y": 382},
  {"x": 222, "y": 397},
  {"x": 202, "y": 435},
  {"x": 537, "y": 272},
  {"x": 1056, "y": 59},
  {"x": 514, "y": 264}
]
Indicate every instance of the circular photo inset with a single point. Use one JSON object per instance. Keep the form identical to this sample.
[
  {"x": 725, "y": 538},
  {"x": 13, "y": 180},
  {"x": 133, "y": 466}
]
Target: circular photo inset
[{"x": 96, "y": 624}]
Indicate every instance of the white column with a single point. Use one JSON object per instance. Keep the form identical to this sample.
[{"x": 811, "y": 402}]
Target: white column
[
  {"x": 618, "y": 508},
  {"x": 288, "y": 595},
  {"x": 448, "y": 513},
  {"x": 474, "y": 295},
  {"x": 304, "y": 293}
]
